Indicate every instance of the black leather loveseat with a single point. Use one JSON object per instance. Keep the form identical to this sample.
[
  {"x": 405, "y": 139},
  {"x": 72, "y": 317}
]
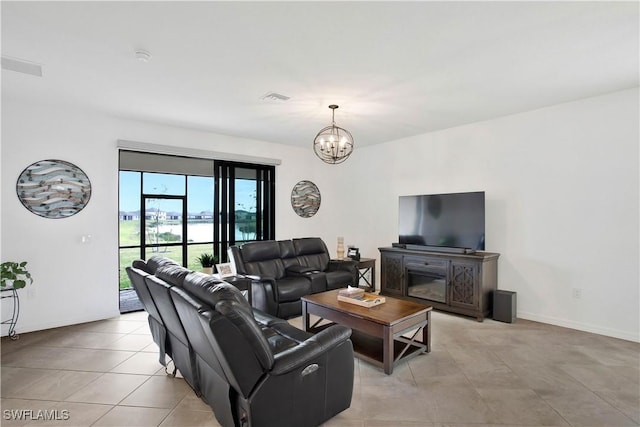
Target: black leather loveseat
[
  {"x": 286, "y": 270},
  {"x": 251, "y": 368}
]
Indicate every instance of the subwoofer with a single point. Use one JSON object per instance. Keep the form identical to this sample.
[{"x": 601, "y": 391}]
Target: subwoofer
[{"x": 504, "y": 306}]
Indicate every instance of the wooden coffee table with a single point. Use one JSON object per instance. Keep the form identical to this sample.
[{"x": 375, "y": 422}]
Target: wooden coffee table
[{"x": 377, "y": 331}]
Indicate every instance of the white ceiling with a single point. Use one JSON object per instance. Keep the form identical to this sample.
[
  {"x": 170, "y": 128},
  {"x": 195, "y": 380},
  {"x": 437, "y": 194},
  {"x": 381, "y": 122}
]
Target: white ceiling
[{"x": 396, "y": 69}]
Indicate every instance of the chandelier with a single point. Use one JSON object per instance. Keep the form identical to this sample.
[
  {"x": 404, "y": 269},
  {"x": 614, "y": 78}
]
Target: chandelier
[{"x": 333, "y": 144}]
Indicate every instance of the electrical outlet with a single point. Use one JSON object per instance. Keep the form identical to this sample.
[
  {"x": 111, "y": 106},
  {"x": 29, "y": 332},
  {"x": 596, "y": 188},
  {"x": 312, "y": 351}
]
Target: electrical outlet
[{"x": 576, "y": 293}]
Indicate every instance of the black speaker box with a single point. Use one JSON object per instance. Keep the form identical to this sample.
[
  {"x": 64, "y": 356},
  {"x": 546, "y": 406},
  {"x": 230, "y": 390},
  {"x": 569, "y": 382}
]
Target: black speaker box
[{"x": 504, "y": 306}]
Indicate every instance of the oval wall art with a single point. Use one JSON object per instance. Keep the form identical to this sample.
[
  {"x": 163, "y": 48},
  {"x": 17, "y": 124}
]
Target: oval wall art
[
  {"x": 53, "y": 188},
  {"x": 305, "y": 199}
]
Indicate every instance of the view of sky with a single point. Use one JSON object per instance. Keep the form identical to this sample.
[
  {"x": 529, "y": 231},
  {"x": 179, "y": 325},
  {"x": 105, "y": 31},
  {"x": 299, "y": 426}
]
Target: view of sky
[{"x": 199, "y": 197}]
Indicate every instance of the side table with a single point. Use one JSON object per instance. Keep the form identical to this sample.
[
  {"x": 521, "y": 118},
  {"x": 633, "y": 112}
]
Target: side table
[
  {"x": 11, "y": 293},
  {"x": 367, "y": 265}
]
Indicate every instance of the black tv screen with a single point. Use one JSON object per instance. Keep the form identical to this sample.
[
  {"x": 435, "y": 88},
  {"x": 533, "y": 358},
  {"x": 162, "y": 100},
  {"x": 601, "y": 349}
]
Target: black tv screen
[{"x": 454, "y": 220}]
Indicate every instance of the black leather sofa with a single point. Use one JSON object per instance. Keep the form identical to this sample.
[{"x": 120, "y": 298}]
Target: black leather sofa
[
  {"x": 286, "y": 270},
  {"x": 251, "y": 368}
]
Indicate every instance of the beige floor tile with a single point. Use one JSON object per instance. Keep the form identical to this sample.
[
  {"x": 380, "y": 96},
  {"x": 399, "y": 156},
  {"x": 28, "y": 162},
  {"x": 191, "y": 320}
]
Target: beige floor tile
[
  {"x": 56, "y": 385},
  {"x": 191, "y": 402},
  {"x": 478, "y": 374},
  {"x": 545, "y": 379},
  {"x": 396, "y": 403},
  {"x": 159, "y": 392},
  {"x": 341, "y": 421},
  {"x": 458, "y": 405},
  {"x": 475, "y": 359},
  {"x": 501, "y": 378},
  {"x": 185, "y": 418},
  {"x": 139, "y": 363},
  {"x": 121, "y": 326},
  {"x": 80, "y": 359},
  {"x": 385, "y": 423},
  {"x": 585, "y": 408},
  {"x": 142, "y": 330},
  {"x": 151, "y": 348},
  {"x": 519, "y": 406},
  {"x": 108, "y": 389},
  {"x": 81, "y": 339},
  {"x": 600, "y": 377},
  {"x": 626, "y": 401},
  {"x": 15, "y": 380},
  {"x": 131, "y": 342},
  {"x": 132, "y": 416}
]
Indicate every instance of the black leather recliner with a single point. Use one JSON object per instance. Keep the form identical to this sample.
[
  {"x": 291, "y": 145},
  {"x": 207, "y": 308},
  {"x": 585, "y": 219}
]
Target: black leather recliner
[
  {"x": 252, "y": 369},
  {"x": 286, "y": 270}
]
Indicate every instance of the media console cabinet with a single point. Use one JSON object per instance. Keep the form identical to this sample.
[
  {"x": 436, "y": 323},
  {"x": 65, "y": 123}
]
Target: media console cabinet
[{"x": 455, "y": 282}]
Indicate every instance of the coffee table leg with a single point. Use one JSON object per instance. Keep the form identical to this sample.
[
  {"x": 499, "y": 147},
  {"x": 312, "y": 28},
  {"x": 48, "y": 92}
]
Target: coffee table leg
[
  {"x": 305, "y": 317},
  {"x": 387, "y": 351},
  {"x": 426, "y": 332}
]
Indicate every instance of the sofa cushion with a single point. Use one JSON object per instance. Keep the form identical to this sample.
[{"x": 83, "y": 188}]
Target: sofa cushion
[
  {"x": 312, "y": 252},
  {"x": 292, "y": 288},
  {"x": 260, "y": 251},
  {"x": 263, "y": 259}
]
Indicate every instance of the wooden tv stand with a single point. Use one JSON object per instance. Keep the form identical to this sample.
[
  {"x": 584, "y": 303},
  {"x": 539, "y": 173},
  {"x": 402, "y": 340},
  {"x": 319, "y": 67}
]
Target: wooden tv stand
[{"x": 455, "y": 282}]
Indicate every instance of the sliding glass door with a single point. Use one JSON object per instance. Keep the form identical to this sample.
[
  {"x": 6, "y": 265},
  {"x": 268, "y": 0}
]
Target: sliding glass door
[{"x": 181, "y": 208}]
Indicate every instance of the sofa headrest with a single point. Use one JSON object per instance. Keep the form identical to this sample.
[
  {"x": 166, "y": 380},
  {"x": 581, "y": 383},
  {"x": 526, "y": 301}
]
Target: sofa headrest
[
  {"x": 286, "y": 249},
  {"x": 210, "y": 290},
  {"x": 140, "y": 264},
  {"x": 260, "y": 251},
  {"x": 309, "y": 245},
  {"x": 156, "y": 262},
  {"x": 173, "y": 274}
]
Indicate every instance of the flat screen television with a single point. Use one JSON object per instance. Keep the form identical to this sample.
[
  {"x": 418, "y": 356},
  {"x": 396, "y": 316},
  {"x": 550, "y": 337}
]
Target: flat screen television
[{"x": 454, "y": 220}]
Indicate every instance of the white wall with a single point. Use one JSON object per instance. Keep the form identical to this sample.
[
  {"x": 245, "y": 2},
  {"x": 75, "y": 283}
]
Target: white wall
[
  {"x": 76, "y": 282},
  {"x": 562, "y": 200},
  {"x": 561, "y": 185}
]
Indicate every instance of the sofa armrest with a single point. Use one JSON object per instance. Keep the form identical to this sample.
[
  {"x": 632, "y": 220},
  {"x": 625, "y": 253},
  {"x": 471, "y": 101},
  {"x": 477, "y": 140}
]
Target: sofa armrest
[
  {"x": 305, "y": 352},
  {"x": 347, "y": 265},
  {"x": 339, "y": 264},
  {"x": 264, "y": 295}
]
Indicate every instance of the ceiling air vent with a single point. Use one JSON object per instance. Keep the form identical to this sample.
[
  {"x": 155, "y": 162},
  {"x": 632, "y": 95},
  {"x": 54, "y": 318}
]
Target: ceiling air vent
[
  {"x": 274, "y": 97},
  {"x": 21, "y": 66}
]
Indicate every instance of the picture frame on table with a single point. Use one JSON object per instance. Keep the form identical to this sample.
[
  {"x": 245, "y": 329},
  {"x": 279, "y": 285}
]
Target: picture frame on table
[
  {"x": 225, "y": 270},
  {"x": 353, "y": 253}
]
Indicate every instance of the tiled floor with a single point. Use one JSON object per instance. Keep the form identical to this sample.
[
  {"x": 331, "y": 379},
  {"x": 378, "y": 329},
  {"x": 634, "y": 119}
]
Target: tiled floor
[{"x": 522, "y": 374}]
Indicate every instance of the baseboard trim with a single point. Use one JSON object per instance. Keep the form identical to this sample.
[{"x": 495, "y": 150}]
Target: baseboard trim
[
  {"x": 32, "y": 327},
  {"x": 585, "y": 327}
]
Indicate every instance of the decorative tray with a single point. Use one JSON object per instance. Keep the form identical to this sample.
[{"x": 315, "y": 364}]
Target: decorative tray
[{"x": 366, "y": 300}]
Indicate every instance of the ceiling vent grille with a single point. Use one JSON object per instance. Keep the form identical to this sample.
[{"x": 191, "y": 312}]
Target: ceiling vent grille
[
  {"x": 21, "y": 66},
  {"x": 274, "y": 97}
]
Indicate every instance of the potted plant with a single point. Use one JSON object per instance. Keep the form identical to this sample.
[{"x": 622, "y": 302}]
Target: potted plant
[
  {"x": 14, "y": 275},
  {"x": 207, "y": 261}
]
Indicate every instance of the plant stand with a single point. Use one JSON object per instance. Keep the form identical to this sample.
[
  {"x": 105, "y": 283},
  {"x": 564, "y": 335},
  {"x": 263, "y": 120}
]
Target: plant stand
[{"x": 11, "y": 293}]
